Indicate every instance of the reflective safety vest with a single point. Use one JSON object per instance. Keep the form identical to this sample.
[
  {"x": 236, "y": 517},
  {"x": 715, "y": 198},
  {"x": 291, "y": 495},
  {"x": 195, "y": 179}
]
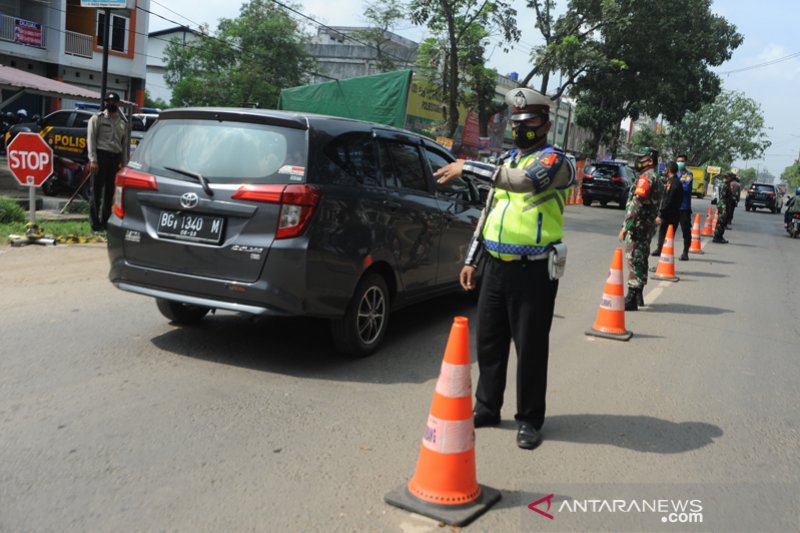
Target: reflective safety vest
[{"x": 524, "y": 224}]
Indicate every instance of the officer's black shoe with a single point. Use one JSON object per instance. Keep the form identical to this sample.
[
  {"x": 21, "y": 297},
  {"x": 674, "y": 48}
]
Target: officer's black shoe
[
  {"x": 719, "y": 240},
  {"x": 640, "y": 297},
  {"x": 484, "y": 418},
  {"x": 655, "y": 253},
  {"x": 527, "y": 437},
  {"x": 631, "y": 300},
  {"x": 684, "y": 256}
]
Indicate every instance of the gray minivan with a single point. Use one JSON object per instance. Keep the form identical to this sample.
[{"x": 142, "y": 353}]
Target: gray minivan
[{"x": 288, "y": 214}]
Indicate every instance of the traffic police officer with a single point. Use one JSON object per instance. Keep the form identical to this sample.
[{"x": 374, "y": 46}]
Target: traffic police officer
[
  {"x": 520, "y": 234},
  {"x": 107, "y": 146},
  {"x": 723, "y": 204},
  {"x": 639, "y": 226}
]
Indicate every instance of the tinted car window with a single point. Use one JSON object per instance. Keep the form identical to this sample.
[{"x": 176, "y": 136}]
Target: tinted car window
[
  {"x": 763, "y": 188},
  {"x": 606, "y": 171},
  {"x": 402, "y": 167},
  {"x": 351, "y": 159},
  {"x": 82, "y": 120},
  {"x": 58, "y": 119},
  {"x": 224, "y": 151}
]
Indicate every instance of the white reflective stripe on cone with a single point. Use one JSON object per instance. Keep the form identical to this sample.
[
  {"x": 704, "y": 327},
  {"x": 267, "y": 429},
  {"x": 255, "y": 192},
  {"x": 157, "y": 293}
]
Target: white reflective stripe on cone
[
  {"x": 454, "y": 381},
  {"x": 449, "y": 436},
  {"x": 612, "y": 303}
]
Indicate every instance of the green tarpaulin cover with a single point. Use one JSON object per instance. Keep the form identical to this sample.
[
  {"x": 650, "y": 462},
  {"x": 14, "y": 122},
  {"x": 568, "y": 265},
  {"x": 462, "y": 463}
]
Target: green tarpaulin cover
[{"x": 381, "y": 98}]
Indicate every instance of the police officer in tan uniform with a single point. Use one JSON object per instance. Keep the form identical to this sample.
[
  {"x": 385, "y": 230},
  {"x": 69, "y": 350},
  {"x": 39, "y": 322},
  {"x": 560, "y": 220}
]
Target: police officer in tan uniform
[{"x": 107, "y": 140}]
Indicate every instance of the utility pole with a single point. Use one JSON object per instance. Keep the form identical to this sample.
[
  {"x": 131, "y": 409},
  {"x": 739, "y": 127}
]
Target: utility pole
[{"x": 104, "y": 77}]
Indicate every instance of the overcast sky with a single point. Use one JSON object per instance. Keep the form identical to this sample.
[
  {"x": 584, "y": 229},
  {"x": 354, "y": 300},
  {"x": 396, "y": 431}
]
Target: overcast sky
[{"x": 769, "y": 28}]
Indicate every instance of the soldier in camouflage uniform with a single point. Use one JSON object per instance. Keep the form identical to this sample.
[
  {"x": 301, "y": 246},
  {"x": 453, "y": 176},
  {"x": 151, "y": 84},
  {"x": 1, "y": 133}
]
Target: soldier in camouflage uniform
[
  {"x": 640, "y": 226},
  {"x": 723, "y": 204}
]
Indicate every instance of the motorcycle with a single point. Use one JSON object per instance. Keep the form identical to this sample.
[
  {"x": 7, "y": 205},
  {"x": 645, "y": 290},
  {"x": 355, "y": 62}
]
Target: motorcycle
[
  {"x": 793, "y": 227},
  {"x": 68, "y": 177}
]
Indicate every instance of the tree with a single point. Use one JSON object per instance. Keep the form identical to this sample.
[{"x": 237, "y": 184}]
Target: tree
[
  {"x": 382, "y": 15},
  {"x": 157, "y": 102},
  {"x": 729, "y": 128},
  {"x": 791, "y": 175},
  {"x": 646, "y": 138},
  {"x": 747, "y": 177},
  {"x": 455, "y": 25},
  {"x": 663, "y": 72},
  {"x": 247, "y": 63}
]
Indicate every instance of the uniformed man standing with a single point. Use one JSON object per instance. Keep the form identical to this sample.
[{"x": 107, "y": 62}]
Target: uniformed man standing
[
  {"x": 736, "y": 193},
  {"x": 639, "y": 226},
  {"x": 107, "y": 140},
  {"x": 723, "y": 204},
  {"x": 520, "y": 236}
]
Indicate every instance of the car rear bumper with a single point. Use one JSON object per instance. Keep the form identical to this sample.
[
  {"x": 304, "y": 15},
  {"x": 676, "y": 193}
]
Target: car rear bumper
[{"x": 603, "y": 193}]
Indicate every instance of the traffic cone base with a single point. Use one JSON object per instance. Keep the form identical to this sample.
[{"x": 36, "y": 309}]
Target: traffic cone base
[
  {"x": 444, "y": 485},
  {"x": 454, "y": 515},
  {"x": 666, "y": 263},
  {"x": 610, "y": 321}
]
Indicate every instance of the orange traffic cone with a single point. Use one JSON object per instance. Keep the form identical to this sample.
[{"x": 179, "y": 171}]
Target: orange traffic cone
[
  {"x": 716, "y": 217},
  {"x": 444, "y": 486},
  {"x": 666, "y": 263},
  {"x": 571, "y": 196},
  {"x": 708, "y": 231},
  {"x": 695, "y": 247},
  {"x": 610, "y": 321},
  {"x": 579, "y": 199}
]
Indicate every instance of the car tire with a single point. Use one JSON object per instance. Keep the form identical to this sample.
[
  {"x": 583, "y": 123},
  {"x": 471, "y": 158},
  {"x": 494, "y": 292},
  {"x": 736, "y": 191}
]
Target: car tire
[
  {"x": 366, "y": 319},
  {"x": 587, "y": 201},
  {"x": 181, "y": 313}
]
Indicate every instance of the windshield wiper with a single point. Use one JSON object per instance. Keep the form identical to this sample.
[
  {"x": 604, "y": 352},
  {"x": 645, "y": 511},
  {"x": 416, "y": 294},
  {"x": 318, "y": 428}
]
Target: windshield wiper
[{"x": 195, "y": 175}]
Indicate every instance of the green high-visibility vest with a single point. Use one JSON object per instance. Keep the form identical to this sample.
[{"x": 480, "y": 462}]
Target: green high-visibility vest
[{"x": 524, "y": 224}]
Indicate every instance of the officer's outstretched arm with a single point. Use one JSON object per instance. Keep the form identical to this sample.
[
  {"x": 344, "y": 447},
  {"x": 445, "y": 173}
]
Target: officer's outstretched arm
[{"x": 550, "y": 170}]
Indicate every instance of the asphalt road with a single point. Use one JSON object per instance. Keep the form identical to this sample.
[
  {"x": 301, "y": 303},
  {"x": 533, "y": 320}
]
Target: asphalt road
[{"x": 111, "y": 419}]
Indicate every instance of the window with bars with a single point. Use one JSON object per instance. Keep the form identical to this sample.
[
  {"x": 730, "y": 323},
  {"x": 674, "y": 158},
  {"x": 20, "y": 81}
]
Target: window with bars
[{"x": 118, "y": 37}]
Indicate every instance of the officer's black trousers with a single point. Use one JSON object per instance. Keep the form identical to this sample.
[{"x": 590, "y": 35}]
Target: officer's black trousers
[
  {"x": 516, "y": 302},
  {"x": 666, "y": 222},
  {"x": 103, "y": 188},
  {"x": 686, "y": 228}
]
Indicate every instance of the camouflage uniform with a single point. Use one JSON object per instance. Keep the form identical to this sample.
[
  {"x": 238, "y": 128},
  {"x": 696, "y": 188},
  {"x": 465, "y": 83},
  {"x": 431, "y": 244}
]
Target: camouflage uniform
[
  {"x": 723, "y": 205},
  {"x": 640, "y": 226}
]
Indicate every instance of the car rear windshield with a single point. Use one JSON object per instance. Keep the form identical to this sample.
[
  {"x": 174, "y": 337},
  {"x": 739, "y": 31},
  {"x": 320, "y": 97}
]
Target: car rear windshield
[
  {"x": 763, "y": 188},
  {"x": 606, "y": 171},
  {"x": 224, "y": 152}
]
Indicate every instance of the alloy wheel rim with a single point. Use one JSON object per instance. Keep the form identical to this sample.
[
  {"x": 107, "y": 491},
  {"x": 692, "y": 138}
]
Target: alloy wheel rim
[{"x": 371, "y": 315}]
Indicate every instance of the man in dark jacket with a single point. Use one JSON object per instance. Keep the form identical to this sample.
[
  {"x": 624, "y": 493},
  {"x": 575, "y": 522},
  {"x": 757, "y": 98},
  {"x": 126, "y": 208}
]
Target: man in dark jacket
[
  {"x": 669, "y": 210},
  {"x": 687, "y": 183}
]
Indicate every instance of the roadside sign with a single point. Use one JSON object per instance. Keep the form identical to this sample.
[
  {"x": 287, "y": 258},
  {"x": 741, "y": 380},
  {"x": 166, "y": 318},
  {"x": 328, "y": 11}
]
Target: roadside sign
[
  {"x": 713, "y": 170},
  {"x": 30, "y": 159},
  {"x": 111, "y": 4}
]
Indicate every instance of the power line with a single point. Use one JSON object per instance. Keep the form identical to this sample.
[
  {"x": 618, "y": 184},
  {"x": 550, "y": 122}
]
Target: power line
[{"x": 761, "y": 65}]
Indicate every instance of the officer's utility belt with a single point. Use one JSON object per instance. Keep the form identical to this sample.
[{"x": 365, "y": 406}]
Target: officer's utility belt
[{"x": 556, "y": 259}]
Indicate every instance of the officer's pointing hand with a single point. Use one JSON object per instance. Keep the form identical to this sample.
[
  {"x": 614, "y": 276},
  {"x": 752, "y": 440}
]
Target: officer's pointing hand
[
  {"x": 449, "y": 172},
  {"x": 622, "y": 234},
  {"x": 467, "y": 277}
]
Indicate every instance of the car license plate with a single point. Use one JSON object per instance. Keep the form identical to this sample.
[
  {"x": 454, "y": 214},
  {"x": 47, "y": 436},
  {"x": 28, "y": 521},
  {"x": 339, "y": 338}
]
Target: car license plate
[{"x": 190, "y": 227}]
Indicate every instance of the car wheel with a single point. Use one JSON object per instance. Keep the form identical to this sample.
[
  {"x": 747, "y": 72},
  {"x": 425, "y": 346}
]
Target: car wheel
[
  {"x": 587, "y": 201},
  {"x": 181, "y": 313},
  {"x": 603, "y": 203},
  {"x": 361, "y": 330}
]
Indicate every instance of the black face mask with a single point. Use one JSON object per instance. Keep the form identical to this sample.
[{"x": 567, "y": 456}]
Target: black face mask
[
  {"x": 112, "y": 108},
  {"x": 526, "y": 136}
]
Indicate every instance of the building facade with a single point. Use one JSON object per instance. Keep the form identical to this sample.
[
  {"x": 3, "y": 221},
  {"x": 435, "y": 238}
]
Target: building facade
[
  {"x": 61, "y": 40},
  {"x": 156, "y": 63}
]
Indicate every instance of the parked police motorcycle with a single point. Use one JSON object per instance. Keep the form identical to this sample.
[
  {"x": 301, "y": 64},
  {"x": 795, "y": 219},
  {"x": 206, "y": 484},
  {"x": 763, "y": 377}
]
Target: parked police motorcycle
[
  {"x": 68, "y": 177},
  {"x": 793, "y": 226}
]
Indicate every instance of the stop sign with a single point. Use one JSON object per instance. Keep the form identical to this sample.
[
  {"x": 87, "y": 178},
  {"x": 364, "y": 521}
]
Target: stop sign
[{"x": 30, "y": 159}]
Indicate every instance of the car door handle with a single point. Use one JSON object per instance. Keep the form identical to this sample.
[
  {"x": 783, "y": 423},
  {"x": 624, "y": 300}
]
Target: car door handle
[{"x": 391, "y": 206}]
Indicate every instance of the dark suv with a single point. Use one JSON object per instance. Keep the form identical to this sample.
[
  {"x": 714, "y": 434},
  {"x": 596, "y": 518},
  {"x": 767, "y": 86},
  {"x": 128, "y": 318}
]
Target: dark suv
[
  {"x": 288, "y": 214},
  {"x": 607, "y": 181},
  {"x": 763, "y": 195}
]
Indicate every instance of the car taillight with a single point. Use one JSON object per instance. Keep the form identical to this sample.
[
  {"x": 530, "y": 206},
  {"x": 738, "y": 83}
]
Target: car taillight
[
  {"x": 771, "y": 194},
  {"x": 616, "y": 179},
  {"x": 127, "y": 178},
  {"x": 587, "y": 177},
  {"x": 297, "y": 202},
  {"x": 796, "y": 215}
]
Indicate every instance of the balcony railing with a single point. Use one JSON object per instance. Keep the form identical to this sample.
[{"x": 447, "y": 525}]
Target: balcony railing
[
  {"x": 77, "y": 44},
  {"x": 22, "y": 31}
]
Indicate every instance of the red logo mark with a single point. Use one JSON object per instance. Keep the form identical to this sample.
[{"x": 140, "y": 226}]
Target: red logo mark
[{"x": 547, "y": 499}]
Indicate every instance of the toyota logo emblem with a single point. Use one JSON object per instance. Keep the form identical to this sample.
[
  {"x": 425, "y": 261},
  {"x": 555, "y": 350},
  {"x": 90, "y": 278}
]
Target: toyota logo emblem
[{"x": 189, "y": 200}]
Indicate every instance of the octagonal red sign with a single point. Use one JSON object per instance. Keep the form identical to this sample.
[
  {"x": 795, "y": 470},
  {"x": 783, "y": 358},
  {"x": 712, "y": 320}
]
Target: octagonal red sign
[{"x": 30, "y": 159}]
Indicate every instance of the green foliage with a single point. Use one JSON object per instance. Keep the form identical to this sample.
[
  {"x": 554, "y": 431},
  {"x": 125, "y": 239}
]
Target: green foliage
[
  {"x": 648, "y": 138},
  {"x": 791, "y": 175},
  {"x": 729, "y": 128},
  {"x": 10, "y": 211},
  {"x": 149, "y": 101},
  {"x": 641, "y": 71},
  {"x": 247, "y": 63},
  {"x": 382, "y": 15},
  {"x": 55, "y": 228},
  {"x": 460, "y": 30}
]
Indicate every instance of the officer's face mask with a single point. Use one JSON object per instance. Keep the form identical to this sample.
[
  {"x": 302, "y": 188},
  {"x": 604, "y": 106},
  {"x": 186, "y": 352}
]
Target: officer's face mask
[
  {"x": 526, "y": 135},
  {"x": 112, "y": 108},
  {"x": 681, "y": 165},
  {"x": 642, "y": 164}
]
